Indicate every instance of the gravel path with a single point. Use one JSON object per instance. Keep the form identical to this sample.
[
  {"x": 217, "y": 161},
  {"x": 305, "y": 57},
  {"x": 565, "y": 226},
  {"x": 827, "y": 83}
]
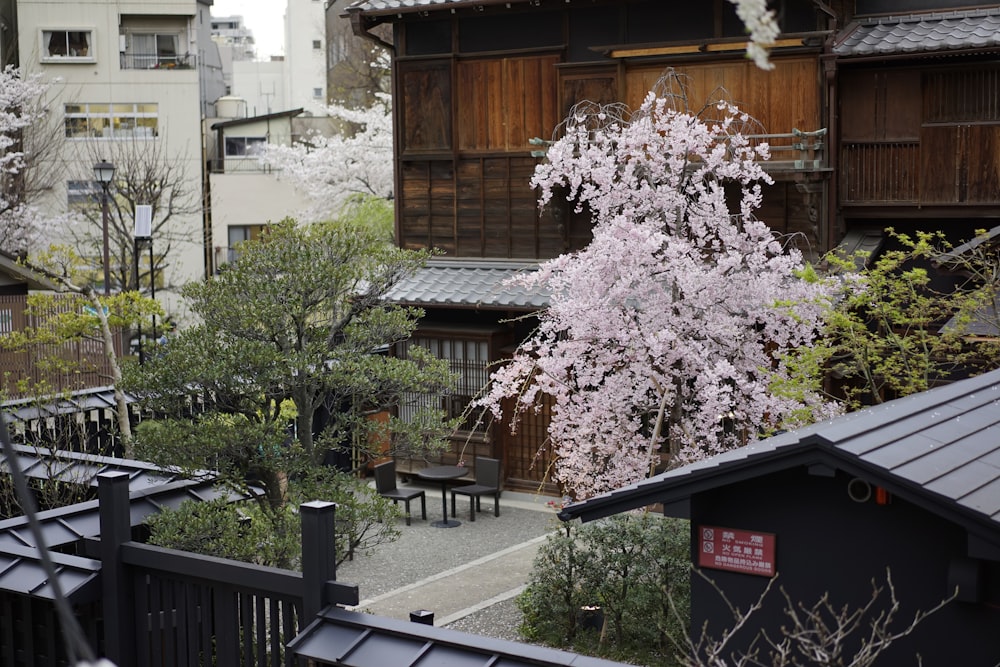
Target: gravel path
[{"x": 423, "y": 551}]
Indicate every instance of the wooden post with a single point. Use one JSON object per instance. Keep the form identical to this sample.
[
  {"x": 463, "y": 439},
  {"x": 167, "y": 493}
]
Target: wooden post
[
  {"x": 116, "y": 584},
  {"x": 319, "y": 562}
]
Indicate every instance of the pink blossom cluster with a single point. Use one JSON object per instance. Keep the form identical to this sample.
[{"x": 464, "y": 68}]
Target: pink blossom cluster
[{"x": 668, "y": 329}]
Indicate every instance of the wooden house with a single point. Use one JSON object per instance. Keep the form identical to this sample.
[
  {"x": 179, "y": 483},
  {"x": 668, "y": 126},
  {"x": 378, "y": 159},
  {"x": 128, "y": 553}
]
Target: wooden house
[
  {"x": 878, "y": 112},
  {"x": 909, "y": 489},
  {"x": 915, "y": 137}
]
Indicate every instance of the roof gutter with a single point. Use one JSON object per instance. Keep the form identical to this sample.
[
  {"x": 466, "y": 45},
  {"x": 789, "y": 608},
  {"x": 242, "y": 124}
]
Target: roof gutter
[{"x": 360, "y": 27}]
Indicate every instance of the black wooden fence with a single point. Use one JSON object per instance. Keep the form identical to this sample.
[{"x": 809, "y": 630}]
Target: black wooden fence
[{"x": 166, "y": 607}]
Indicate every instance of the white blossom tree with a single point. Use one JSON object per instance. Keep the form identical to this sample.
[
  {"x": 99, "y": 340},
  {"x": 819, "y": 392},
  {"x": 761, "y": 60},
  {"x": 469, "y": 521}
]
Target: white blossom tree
[
  {"x": 674, "y": 326},
  {"x": 333, "y": 169},
  {"x": 762, "y": 27},
  {"x": 26, "y": 137}
]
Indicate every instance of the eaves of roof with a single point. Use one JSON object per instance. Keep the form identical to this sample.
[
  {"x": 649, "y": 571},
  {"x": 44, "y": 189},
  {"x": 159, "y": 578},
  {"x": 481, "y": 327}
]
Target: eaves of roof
[
  {"x": 927, "y": 33},
  {"x": 291, "y": 113},
  {"x": 480, "y": 284},
  {"x": 10, "y": 266},
  {"x": 344, "y": 637},
  {"x": 21, "y": 572},
  {"x": 939, "y": 449},
  {"x": 384, "y": 7}
]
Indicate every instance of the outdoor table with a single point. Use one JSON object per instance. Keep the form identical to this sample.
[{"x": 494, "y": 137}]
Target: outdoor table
[{"x": 443, "y": 474}]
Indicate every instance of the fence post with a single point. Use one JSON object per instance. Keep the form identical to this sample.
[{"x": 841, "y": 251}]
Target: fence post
[
  {"x": 116, "y": 529},
  {"x": 319, "y": 562}
]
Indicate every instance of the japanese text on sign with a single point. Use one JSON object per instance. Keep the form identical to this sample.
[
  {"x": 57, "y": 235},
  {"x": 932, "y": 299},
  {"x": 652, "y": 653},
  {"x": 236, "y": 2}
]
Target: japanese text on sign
[{"x": 736, "y": 550}]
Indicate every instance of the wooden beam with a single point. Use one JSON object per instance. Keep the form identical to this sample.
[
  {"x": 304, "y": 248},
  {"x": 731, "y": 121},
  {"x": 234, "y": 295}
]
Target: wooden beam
[{"x": 715, "y": 47}]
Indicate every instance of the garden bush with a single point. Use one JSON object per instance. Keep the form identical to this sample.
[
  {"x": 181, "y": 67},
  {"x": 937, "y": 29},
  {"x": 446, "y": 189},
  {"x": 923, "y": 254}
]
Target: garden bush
[{"x": 632, "y": 566}]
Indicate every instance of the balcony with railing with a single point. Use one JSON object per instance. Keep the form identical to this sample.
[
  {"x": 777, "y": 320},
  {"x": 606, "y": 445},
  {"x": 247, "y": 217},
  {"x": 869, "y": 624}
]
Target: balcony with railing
[
  {"x": 796, "y": 151},
  {"x": 131, "y": 60}
]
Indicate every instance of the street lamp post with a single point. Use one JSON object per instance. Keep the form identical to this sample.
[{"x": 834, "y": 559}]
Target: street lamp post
[
  {"x": 144, "y": 234},
  {"x": 105, "y": 173}
]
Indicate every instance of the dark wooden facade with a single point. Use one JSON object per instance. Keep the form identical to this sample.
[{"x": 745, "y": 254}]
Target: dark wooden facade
[
  {"x": 473, "y": 88},
  {"x": 904, "y": 490},
  {"x": 907, "y": 137},
  {"x": 475, "y": 83}
]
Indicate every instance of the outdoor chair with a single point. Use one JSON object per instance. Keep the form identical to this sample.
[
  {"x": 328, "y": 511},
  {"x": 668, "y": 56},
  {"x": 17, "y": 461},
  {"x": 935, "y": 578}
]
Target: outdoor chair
[
  {"x": 487, "y": 484},
  {"x": 385, "y": 486}
]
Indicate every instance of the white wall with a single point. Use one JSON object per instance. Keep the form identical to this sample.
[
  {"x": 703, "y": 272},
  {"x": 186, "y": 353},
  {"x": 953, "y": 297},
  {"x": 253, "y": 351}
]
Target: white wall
[{"x": 102, "y": 80}]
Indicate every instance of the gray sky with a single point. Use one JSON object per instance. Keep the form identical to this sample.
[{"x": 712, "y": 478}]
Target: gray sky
[{"x": 264, "y": 17}]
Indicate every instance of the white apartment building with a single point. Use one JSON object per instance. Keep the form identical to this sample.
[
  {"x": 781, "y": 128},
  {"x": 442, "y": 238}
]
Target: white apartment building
[
  {"x": 235, "y": 43},
  {"x": 270, "y": 83},
  {"x": 305, "y": 56},
  {"x": 128, "y": 91}
]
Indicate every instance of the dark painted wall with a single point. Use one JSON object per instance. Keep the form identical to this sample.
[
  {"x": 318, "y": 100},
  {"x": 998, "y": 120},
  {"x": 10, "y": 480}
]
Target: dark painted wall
[{"x": 827, "y": 542}]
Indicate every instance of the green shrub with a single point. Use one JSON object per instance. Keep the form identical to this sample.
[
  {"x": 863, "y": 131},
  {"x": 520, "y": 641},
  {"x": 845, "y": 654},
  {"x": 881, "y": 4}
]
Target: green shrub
[
  {"x": 258, "y": 533},
  {"x": 631, "y": 566},
  {"x": 220, "y": 528}
]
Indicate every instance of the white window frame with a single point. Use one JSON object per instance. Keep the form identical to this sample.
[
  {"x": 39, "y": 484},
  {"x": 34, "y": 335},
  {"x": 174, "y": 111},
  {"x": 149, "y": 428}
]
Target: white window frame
[
  {"x": 118, "y": 120},
  {"x": 45, "y": 39},
  {"x": 153, "y": 59}
]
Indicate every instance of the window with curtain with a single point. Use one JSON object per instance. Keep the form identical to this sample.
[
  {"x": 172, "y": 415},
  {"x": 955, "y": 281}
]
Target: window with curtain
[
  {"x": 152, "y": 50},
  {"x": 65, "y": 45},
  {"x": 111, "y": 121}
]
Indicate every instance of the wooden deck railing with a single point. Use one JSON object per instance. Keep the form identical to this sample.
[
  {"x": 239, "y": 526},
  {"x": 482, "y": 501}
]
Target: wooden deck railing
[{"x": 81, "y": 364}]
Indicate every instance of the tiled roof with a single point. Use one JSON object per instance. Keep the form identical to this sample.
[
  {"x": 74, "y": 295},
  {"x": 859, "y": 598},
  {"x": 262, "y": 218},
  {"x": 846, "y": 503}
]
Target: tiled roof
[
  {"x": 468, "y": 284},
  {"x": 921, "y": 33},
  {"x": 407, "y": 6},
  {"x": 938, "y": 449}
]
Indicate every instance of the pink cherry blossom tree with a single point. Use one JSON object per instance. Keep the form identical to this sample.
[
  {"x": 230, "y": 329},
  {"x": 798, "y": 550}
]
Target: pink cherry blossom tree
[{"x": 676, "y": 328}]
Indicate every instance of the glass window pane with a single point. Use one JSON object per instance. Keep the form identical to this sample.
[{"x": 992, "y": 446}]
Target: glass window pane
[
  {"x": 166, "y": 46},
  {"x": 56, "y": 43},
  {"x": 79, "y": 44}
]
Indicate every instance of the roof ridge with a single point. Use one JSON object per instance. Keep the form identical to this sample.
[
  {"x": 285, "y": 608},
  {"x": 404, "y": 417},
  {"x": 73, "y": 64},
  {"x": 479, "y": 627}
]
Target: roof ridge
[{"x": 930, "y": 16}]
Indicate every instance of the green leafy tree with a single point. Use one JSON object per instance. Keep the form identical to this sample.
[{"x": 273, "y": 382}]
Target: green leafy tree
[
  {"x": 903, "y": 326},
  {"x": 298, "y": 324},
  {"x": 633, "y": 568},
  {"x": 73, "y": 314}
]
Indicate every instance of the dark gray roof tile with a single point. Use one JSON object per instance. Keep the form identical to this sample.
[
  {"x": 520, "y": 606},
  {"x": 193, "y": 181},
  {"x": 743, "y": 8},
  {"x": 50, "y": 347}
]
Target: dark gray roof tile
[
  {"x": 917, "y": 33},
  {"x": 408, "y": 6},
  {"x": 469, "y": 284},
  {"x": 355, "y": 639}
]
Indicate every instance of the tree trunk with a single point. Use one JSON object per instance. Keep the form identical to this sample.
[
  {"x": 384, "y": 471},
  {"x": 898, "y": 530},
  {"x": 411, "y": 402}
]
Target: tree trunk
[{"x": 121, "y": 406}]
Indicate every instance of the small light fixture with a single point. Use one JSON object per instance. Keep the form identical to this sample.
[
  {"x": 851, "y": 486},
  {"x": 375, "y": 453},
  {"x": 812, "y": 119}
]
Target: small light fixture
[{"x": 104, "y": 172}]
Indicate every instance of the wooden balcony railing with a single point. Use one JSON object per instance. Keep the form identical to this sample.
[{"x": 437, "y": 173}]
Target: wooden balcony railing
[
  {"x": 81, "y": 364},
  {"x": 798, "y": 150}
]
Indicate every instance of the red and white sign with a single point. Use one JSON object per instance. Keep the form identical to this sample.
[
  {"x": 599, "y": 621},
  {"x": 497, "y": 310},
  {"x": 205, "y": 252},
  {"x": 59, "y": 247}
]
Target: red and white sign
[{"x": 744, "y": 551}]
